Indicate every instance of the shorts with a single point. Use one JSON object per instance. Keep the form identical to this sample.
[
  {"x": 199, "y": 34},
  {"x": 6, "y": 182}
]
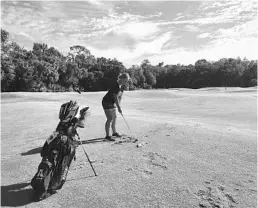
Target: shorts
[{"x": 108, "y": 105}]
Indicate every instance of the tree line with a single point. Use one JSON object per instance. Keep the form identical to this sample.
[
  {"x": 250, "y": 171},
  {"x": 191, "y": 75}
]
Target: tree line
[{"x": 46, "y": 69}]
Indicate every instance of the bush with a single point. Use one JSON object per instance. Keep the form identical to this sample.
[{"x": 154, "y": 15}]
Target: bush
[
  {"x": 253, "y": 83},
  {"x": 70, "y": 89},
  {"x": 43, "y": 89},
  {"x": 146, "y": 86}
]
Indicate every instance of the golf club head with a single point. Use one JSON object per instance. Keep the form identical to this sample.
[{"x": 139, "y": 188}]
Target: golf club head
[{"x": 77, "y": 89}]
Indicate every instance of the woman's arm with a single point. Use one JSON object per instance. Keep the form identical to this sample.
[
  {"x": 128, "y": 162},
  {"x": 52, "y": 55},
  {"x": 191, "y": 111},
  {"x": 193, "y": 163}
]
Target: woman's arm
[{"x": 115, "y": 96}]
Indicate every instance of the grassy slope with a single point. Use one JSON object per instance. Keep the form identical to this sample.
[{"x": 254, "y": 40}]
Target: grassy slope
[{"x": 200, "y": 150}]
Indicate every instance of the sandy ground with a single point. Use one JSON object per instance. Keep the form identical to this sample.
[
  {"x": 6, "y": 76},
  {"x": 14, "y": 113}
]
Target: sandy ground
[{"x": 199, "y": 149}]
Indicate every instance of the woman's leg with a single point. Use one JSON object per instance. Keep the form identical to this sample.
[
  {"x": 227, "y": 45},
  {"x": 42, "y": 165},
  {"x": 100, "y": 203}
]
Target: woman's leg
[
  {"x": 114, "y": 122},
  {"x": 107, "y": 126},
  {"x": 109, "y": 114}
]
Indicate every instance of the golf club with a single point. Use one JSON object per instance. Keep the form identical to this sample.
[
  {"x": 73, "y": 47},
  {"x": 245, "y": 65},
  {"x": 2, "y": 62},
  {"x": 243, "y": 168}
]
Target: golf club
[
  {"x": 77, "y": 89},
  {"x": 128, "y": 126},
  {"x": 86, "y": 154}
]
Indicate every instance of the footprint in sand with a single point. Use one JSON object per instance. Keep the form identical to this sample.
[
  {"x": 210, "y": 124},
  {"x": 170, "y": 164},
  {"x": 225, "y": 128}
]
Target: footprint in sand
[
  {"x": 155, "y": 159},
  {"x": 79, "y": 165},
  {"x": 216, "y": 197},
  {"x": 148, "y": 172},
  {"x": 126, "y": 139}
]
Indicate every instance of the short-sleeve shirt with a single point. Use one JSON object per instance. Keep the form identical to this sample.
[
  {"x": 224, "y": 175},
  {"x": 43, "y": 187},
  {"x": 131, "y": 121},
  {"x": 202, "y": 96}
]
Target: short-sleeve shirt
[{"x": 114, "y": 90}]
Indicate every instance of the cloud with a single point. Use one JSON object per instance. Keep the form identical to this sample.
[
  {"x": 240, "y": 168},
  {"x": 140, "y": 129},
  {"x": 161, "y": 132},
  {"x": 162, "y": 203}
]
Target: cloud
[
  {"x": 243, "y": 30},
  {"x": 238, "y": 32},
  {"x": 138, "y": 30},
  {"x": 231, "y": 42},
  {"x": 179, "y": 16},
  {"x": 191, "y": 28},
  {"x": 229, "y": 49},
  {"x": 119, "y": 29},
  {"x": 154, "y": 46},
  {"x": 230, "y": 12},
  {"x": 128, "y": 25},
  {"x": 95, "y": 2},
  {"x": 207, "y": 5},
  {"x": 139, "y": 51},
  {"x": 26, "y": 35},
  {"x": 24, "y": 20},
  {"x": 227, "y": 12},
  {"x": 204, "y": 35}
]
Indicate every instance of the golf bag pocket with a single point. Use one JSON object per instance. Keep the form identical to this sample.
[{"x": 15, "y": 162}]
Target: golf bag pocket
[
  {"x": 40, "y": 181},
  {"x": 52, "y": 137}
]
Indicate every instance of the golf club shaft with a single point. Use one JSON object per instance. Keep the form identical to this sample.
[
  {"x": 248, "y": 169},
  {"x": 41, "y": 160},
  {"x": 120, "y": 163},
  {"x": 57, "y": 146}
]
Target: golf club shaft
[
  {"x": 82, "y": 145},
  {"x": 87, "y": 156},
  {"x": 127, "y": 124}
]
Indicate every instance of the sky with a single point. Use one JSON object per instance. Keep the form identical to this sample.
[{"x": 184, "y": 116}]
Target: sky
[{"x": 161, "y": 31}]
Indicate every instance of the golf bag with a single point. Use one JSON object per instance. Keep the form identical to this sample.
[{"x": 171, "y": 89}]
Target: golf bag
[{"x": 58, "y": 152}]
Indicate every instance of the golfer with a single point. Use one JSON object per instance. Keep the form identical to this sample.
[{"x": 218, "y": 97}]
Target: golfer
[{"x": 112, "y": 100}]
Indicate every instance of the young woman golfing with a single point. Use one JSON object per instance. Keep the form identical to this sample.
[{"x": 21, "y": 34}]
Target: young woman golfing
[{"x": 112, "y": 100}]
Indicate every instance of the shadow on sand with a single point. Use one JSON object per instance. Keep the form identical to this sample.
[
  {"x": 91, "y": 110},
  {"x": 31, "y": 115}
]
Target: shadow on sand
[
  {"x": 16, "y": 195},
  {"x": 32, "y": 152},
  {"x": 90, "y": 141},
  {"x": 38, "y": 149}
]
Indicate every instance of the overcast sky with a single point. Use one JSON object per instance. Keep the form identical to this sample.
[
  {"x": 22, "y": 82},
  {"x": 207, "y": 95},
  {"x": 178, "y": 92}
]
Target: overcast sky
[{"x": 131, "y": 31}]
